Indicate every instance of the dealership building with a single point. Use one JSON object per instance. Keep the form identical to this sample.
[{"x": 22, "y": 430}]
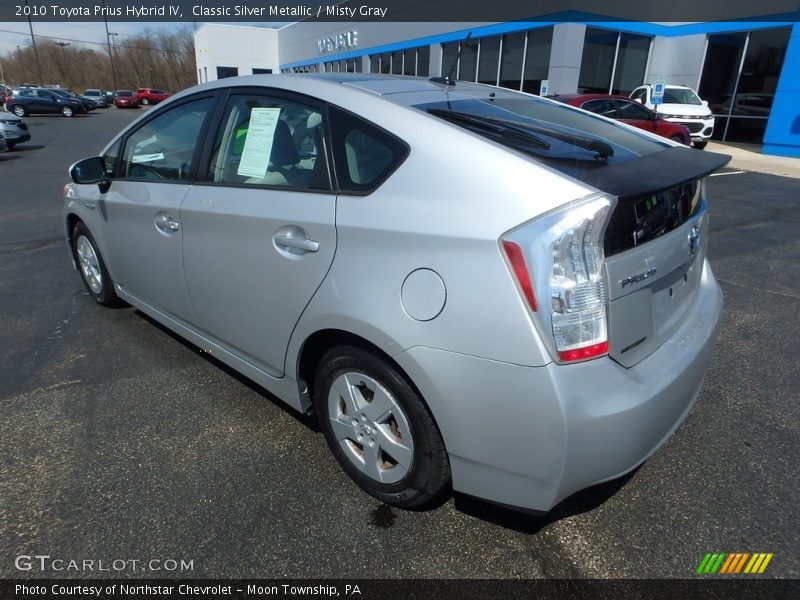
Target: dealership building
[{"x": 747, "y": 70}]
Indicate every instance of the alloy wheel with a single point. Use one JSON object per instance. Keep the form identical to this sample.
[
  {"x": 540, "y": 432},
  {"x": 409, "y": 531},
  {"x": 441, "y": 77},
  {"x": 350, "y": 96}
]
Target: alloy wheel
[{"x": 90, "y": 265}]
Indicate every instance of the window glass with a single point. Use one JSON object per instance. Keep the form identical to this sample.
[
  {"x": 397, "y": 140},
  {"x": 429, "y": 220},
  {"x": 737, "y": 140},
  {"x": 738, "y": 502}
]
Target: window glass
[
  {"x": 375, "y": 63},
  {"x": 410, "y": 61},
  {"x": 639, "y": 94},
  {"x": 223, "y": 72},
  {"x": 397, "y": 63},
  {"x": 537, "y": 59},
  {"x": 469, "y": 60},
  {"x": 597, "y": 62},
  {"x": 632, "y": 111},
  {"x": 449, "y": 56},
  {"x": 364, "y": 154},
  {"x": 680, "y": 96},
  {"x": 490, "y": 55},
  {"x": 423, "y": 61},
  {"x": 110, "y": 158},
  {"x": 631, "y": 62},
  {"x": 511, "y": 65},
  {"x": 269, "y": 141},
  {"x": 601, "y": 106},
  {"x": 163, "y": 148}
]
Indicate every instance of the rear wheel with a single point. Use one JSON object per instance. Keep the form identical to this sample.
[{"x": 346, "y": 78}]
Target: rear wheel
[
  {"x": 379, "y": 429},
  {"x": 18, "y": 110},
  {"x": 67, "y": 111},
  {"x": 92, "y": 268},
  {"x": 145, "y": 101}
]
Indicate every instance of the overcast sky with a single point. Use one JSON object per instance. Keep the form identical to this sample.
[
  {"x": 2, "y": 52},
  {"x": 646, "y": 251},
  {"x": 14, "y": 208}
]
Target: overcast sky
[{"x": 90, "y": 35}]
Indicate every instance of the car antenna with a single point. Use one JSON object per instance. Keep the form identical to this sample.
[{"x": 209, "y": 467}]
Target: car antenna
[{"x": 448, "y": 79}]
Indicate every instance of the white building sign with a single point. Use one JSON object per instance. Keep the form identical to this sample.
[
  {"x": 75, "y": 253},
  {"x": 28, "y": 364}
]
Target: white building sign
[{"x": 341, "y": 41}]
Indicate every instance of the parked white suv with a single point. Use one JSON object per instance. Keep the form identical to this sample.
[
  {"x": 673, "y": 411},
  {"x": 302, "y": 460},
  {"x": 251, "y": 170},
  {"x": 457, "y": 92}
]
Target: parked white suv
[{"x": 681, "y": 105}]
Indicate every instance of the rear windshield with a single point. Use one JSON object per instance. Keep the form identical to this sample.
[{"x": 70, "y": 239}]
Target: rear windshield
[{"x": 553, "y": 123}]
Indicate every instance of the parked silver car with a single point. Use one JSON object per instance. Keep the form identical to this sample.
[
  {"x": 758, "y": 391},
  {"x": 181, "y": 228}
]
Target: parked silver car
[
  {"x": 467, "y": 284},
  {"x": 13, "y": 129}
]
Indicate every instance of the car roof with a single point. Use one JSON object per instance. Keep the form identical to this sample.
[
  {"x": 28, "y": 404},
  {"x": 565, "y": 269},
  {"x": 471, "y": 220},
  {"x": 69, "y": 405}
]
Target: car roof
[{"x": 585, "y": 97}]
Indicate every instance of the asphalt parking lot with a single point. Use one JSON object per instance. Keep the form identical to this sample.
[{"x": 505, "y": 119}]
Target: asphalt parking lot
[{"x": 120, "y": 441}]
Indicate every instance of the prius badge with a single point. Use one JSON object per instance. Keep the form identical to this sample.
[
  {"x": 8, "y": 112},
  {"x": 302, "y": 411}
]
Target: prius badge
[{"x": 638, "y": 277}]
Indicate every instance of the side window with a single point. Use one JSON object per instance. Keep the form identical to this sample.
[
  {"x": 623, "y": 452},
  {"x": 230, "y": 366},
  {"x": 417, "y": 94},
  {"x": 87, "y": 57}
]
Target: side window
[
  {"x": 162, "y": 149},
  {"x": 639, "y": 94},
  {"x": 270, "y": 141},
  {"x": 601, "y": 106},
  {"x": 632, "y": 111},
  {"x": 364, "y": 154}
]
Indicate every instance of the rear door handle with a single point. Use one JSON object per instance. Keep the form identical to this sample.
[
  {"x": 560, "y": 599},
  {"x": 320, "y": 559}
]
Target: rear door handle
[{"x": 304, "y": 244}]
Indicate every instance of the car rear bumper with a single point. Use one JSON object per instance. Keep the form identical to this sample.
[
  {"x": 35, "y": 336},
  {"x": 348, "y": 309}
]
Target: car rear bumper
[{"x": 531, "y": 436}]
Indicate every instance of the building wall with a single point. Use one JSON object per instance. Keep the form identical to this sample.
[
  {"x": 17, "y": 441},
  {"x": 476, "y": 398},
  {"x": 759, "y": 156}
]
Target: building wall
[
  {"x": 783, "y": 128},
  {"x": 234, "y": 46}
]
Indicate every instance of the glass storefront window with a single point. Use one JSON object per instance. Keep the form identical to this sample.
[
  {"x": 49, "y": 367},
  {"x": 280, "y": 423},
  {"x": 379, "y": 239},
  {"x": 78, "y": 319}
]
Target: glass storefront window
[
  {"x": 449, "y": 55},
  {"x": 469, "y": 60},
  {"x": 410, "y": 62},
  {"x": 489, "y": 57},
  {"x": 397, "y": 63},
  {"x": 600, "y": 48},
  {"x": 423, "y": 61},
  {"x": 740, "y": 76},
  {"x": 511, "y": 65},
  {"x": 375, "y": 63},
  {"x": 631, "y": 63},
  {"x": 537, "y": 59}
]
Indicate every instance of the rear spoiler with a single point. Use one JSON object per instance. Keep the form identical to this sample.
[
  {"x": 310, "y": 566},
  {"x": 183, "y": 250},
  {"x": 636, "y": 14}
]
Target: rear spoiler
[{"x": 654, "y": 172}]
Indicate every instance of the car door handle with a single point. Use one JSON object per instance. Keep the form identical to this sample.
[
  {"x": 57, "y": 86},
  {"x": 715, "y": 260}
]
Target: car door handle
[
  {"x": 304, "y": 244},
  {"x": 166, "y": 224}
]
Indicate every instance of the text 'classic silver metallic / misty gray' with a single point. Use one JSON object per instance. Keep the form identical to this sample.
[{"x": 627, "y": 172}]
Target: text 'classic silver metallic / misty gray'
[{"x": 468, "y": 285}]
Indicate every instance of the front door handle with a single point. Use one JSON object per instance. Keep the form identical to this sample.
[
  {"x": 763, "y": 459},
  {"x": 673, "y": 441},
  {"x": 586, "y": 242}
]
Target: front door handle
[
  {"x": 166, "y": 224},
  {"x": 304, "y": 244}
]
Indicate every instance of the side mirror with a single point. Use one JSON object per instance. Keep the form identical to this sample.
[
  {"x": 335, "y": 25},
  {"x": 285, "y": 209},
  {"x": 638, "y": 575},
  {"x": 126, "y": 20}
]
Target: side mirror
[
  {"x": 705, "y": 103},
  {"x": 90, "y": 170}
]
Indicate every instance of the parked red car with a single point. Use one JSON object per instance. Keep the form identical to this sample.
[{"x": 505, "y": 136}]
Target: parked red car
[
  {"x": 125, "y": 99},
  {"x": 622, "y": 108},
  {"x": 151, "y": 96}
]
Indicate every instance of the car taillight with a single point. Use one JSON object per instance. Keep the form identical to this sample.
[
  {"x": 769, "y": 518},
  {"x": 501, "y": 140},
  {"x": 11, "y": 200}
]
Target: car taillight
[{"x": 560, "y": 258}]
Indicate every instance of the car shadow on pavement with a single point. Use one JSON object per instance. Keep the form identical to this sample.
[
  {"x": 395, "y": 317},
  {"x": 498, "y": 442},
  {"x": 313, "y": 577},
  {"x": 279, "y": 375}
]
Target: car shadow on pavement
[
  {"x": 524, "y": 522},
  {"x": 6, "y": 156},
  {"x": 309, "y": 421},
  {"x": 27, "y": 147}
]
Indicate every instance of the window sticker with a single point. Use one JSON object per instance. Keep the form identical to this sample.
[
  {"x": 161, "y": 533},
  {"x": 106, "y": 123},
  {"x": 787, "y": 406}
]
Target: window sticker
[
  {"x": 143, "y": 158},
  {"x": 258, "y": 142}
]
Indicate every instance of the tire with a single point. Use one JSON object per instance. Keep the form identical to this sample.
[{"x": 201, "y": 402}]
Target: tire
[
  {"x": 700, "y": 145},
  {"x": 19, "y": 110},
  {"x": 67, "y": 111},
  {"x": 393, "y": 449},
  {"x": 145, "y": 101},
  {"x": 10, "y": 145},
  {"x": 92, "y": 268},
  {"x": 679, "y": 139}
]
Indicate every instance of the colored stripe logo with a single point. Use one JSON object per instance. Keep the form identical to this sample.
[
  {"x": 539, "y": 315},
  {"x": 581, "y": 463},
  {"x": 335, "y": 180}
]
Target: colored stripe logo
[{"x": 734, "y": 563}]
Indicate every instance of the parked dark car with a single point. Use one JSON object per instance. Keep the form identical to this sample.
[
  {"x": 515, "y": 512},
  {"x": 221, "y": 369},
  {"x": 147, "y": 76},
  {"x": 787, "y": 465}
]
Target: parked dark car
[
  {"x": 622, "y": 108},
  {"x": 87, "y": 104},
  {"x": 125, "y": 99},
  {"x": 40, "y": 101},
  {"x": 151, "y": 96}
]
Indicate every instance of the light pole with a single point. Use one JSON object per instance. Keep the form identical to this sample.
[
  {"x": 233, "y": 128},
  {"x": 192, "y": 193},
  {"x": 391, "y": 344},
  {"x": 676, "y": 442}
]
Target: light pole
[
  {"x": 35, "y": 51},
  {"x": 110, "y": 54}
]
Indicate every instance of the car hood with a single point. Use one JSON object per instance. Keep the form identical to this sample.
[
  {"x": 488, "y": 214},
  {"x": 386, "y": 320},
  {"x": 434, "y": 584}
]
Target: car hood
[{"x": 693, "y": 110}]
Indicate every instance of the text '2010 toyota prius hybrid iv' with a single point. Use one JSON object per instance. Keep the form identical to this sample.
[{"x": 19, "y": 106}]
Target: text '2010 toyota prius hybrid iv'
[{"x": 468, "y": 285}]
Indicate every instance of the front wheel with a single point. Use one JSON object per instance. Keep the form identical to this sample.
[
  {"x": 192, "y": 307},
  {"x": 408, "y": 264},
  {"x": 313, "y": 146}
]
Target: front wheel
[
  {"x": 379, "y": 429},
  {"x": 145, "y": 101},
  {"x": 700, "y": 145},
  {"x": 92, "y": 268},
  {"x": 67, "y": 111},
  {"x": 18, "y": 110}
]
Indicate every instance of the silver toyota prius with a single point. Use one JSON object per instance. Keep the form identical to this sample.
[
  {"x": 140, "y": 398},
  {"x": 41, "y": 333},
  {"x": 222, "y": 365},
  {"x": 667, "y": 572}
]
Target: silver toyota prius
[{"x": 471, "y": 287}]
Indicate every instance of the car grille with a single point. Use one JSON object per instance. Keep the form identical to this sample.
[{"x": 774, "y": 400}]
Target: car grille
[{"x": 694, "y": 127}]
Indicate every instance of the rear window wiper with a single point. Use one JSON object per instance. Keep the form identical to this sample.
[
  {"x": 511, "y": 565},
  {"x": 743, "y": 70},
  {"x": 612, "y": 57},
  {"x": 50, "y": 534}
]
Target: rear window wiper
[
  {"x": 502, "y": 129},
  {"x": 526, "y": 131}
]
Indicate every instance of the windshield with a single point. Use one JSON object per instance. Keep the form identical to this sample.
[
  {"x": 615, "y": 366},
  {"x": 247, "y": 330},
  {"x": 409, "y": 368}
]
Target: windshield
[
  {"x": 680, "y": 96},
  {"x": 574, "y": 139}
]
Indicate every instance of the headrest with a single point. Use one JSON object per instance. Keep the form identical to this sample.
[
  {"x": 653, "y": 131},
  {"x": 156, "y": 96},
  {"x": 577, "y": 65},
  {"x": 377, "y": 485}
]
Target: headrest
[
  {"x": 284, "y": 153},
  {"x": 314, "y": 120}
]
